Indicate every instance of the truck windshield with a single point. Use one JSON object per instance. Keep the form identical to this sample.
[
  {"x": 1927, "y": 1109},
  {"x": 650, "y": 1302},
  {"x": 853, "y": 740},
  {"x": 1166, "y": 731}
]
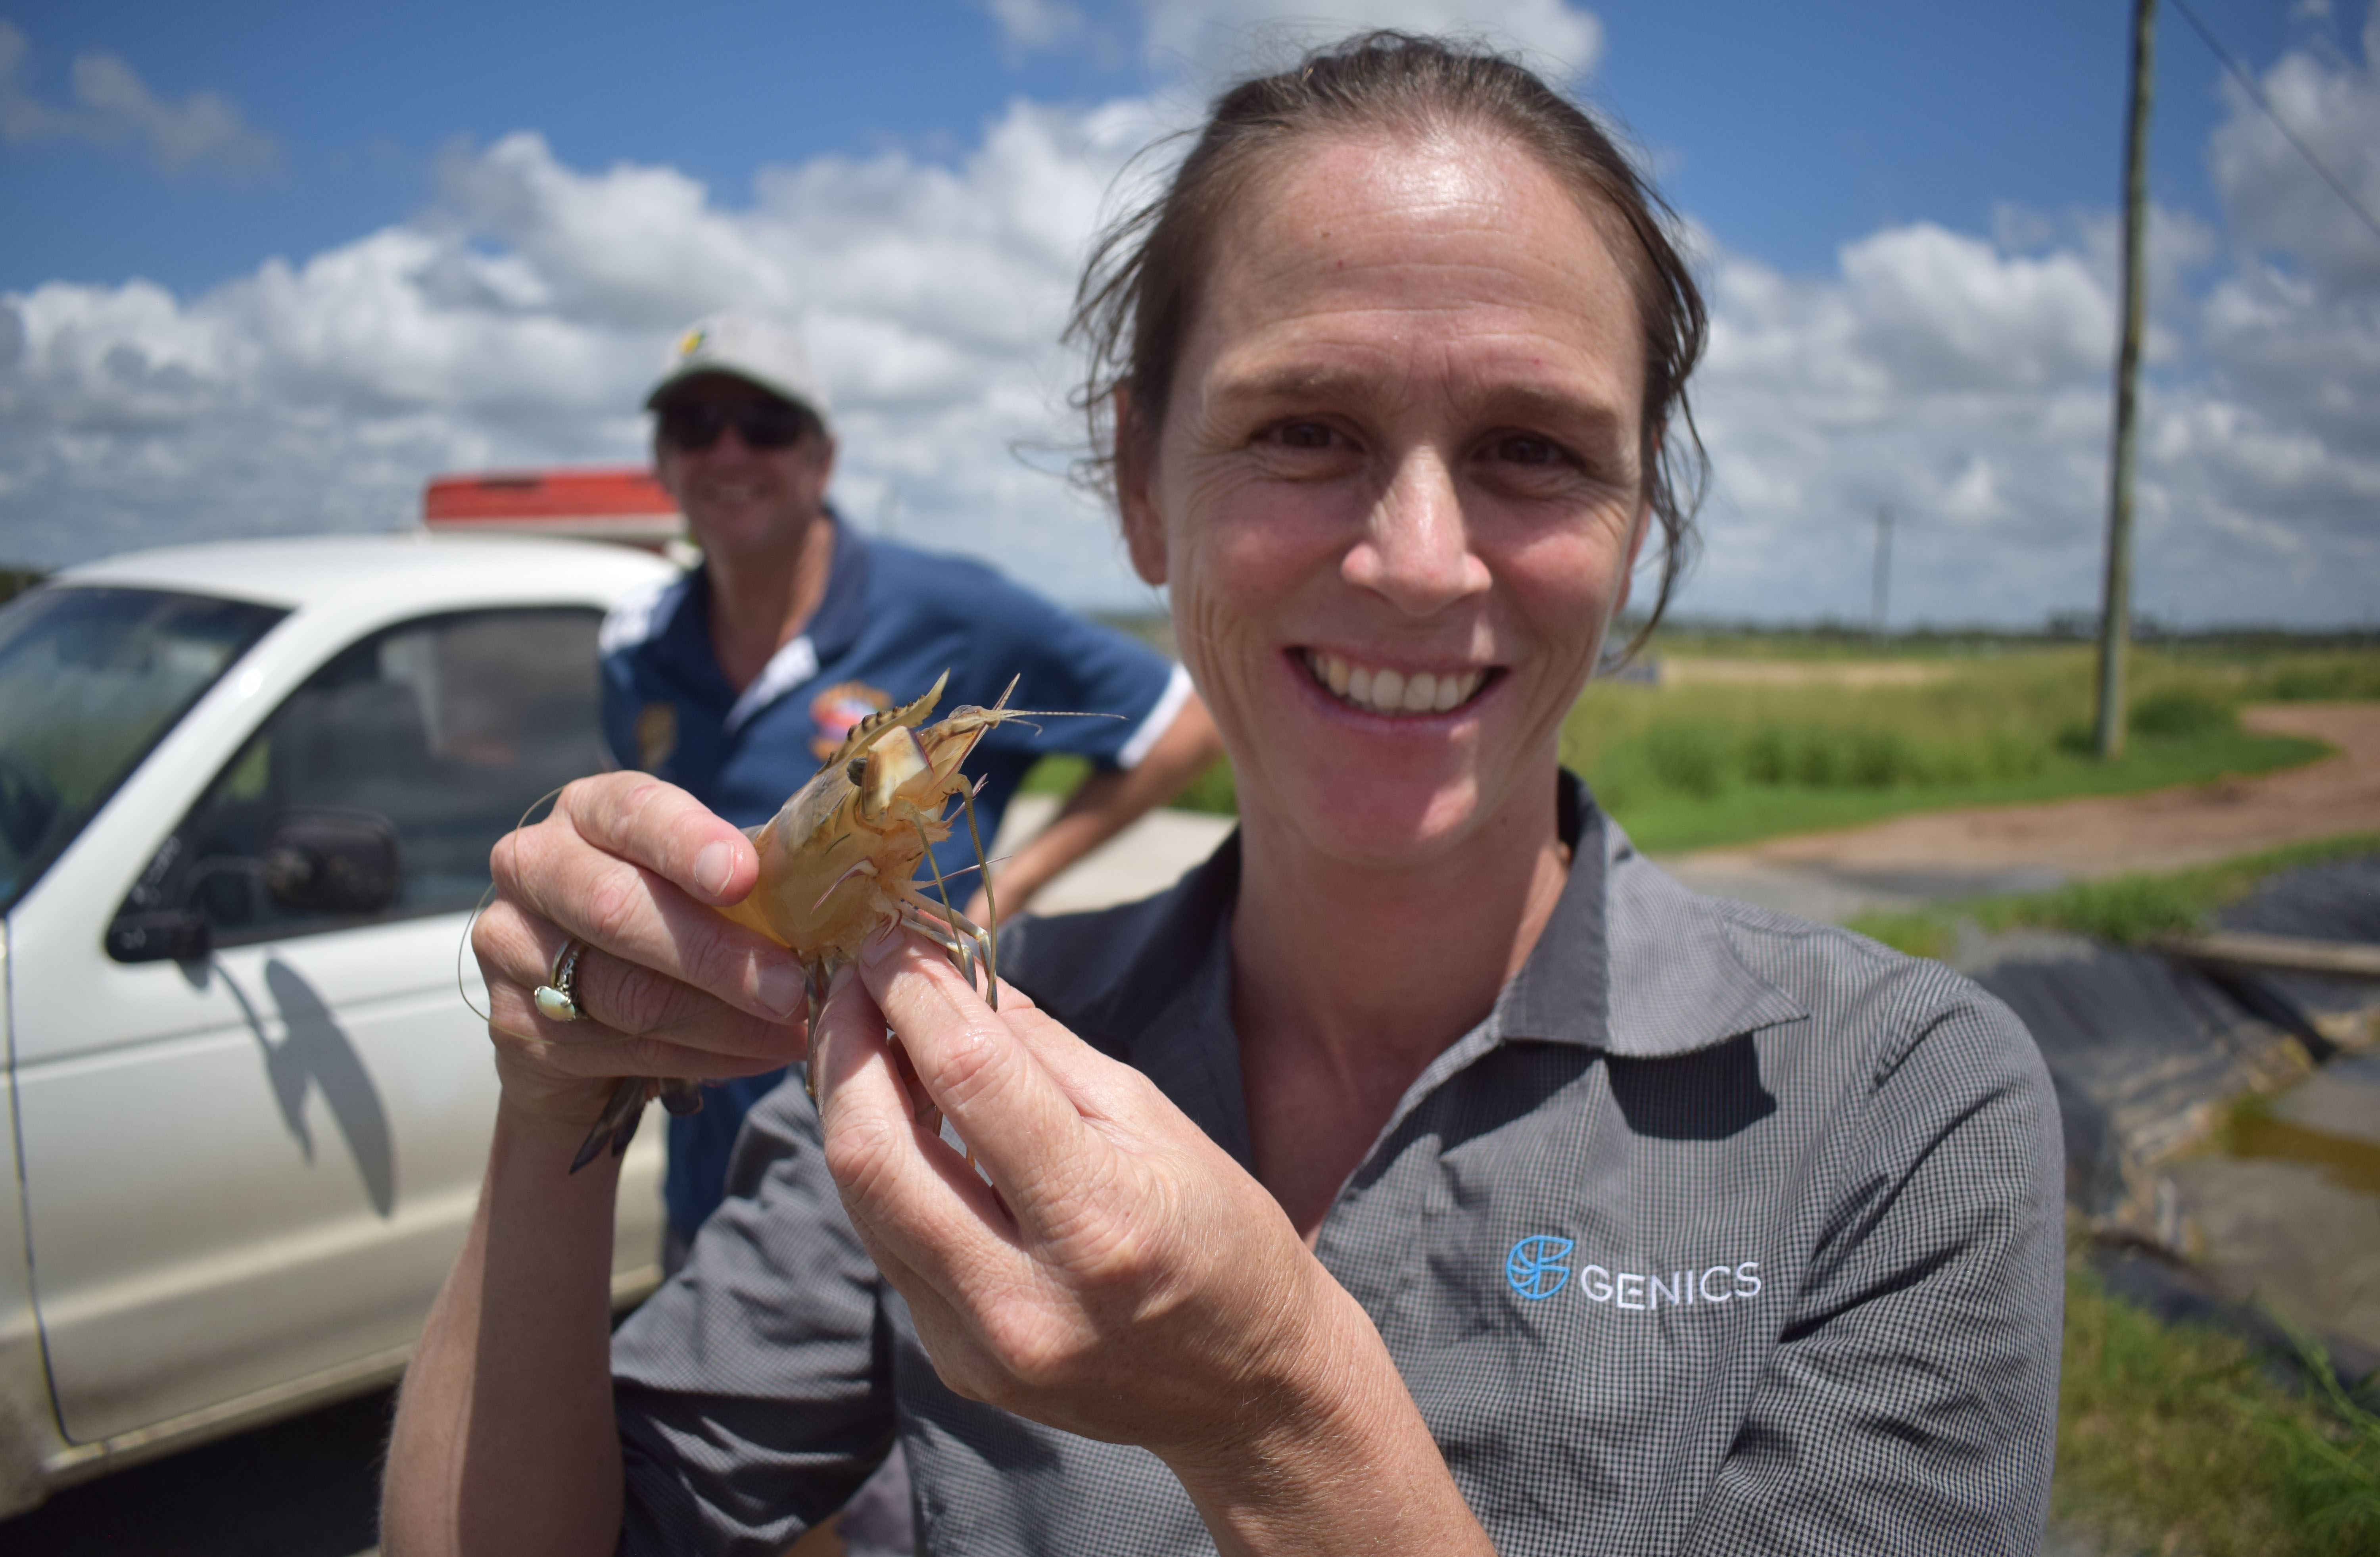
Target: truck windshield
[{"x": 90, "y": 679}]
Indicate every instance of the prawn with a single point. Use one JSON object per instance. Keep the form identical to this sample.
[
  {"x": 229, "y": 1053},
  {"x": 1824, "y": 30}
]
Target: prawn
[{"x": 837, "y": 862}]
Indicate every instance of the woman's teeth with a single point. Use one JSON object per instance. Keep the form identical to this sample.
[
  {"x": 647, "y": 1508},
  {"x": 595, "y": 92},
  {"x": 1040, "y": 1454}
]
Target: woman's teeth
[{"x": 1388, "y": 691}]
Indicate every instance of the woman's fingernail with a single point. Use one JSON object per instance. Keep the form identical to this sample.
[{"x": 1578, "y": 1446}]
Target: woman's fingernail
[
  {"x": 713, "y": 866},
  {"x": 782, "y": 989},
  {"x": 878, "y": 946}
]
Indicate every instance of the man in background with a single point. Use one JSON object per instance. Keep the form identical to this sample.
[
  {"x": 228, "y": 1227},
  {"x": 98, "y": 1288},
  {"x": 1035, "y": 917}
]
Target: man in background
[{"x": 736, "y": 680}]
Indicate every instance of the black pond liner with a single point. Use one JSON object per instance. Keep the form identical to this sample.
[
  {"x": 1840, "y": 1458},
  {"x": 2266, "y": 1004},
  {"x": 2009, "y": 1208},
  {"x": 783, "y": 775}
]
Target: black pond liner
[
  {"x": 2340, "y": 901},
  {"x": 2141, "y": 1047},
  {"x": 2138, "y": 1047}
]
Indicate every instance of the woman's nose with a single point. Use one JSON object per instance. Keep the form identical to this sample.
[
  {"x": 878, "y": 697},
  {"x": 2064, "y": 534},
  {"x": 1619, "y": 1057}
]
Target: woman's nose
[{"x": 1415, "y": 552}]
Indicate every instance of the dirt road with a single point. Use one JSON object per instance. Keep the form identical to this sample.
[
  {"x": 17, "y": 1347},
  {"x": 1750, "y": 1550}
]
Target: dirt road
[
  {"x": 2101, "y": 835},
  {"x": 1911, "y": 858}
]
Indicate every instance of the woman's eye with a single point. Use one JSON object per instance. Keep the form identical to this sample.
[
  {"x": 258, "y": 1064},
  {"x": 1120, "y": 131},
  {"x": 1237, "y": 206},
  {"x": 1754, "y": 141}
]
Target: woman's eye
[
  {"x": 1302, "y": 436},
  {"x": 1523, "y": 449}
]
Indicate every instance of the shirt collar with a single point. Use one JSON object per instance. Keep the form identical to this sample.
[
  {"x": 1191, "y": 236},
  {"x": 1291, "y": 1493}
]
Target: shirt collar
[
  {"x": 833, "y": 626},
  {"x": 1629, "y": 962},
  {"x": 842, "y": 612},
  {"x": 1669, "y": 979}
]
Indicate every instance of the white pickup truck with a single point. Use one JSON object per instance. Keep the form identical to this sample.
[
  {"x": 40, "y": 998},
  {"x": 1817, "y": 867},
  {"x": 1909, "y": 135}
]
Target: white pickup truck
[{"x": 247, "y": 797}]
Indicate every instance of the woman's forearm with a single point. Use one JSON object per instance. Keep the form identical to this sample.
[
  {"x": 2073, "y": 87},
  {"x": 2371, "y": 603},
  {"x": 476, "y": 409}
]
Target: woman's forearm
[
  {"x": 504, "y": 1439},
  {"x": 1346, "y": 1465}
]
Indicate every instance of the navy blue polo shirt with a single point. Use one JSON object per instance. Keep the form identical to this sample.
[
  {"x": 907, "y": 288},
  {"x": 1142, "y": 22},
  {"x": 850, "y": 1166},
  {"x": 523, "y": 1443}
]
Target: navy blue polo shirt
[{"x": 890, "y": 621}]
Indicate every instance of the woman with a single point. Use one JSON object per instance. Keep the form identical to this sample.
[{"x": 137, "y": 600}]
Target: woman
[{"x": 1425, "y": 1173}]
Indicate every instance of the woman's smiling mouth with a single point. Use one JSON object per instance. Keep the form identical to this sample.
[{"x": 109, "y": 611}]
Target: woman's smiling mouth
[{"x": 1392, "y": 691}]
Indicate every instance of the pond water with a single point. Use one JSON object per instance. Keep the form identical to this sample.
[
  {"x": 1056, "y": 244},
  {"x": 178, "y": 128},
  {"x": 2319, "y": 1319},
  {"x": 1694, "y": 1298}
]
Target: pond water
[{"x": 2288, "y": 1201}]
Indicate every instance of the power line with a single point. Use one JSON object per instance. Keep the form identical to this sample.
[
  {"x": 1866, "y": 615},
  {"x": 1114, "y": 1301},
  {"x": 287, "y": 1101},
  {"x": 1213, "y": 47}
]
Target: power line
[{"x": 2240, "y": 74}]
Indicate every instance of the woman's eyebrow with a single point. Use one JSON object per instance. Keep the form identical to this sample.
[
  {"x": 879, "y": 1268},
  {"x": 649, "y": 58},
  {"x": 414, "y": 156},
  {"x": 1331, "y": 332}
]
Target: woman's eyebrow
[
  {"x": 1288, "y": 382},
  {"x": 1577, "y": 413},
  {"x": 1588, "y": 414}
]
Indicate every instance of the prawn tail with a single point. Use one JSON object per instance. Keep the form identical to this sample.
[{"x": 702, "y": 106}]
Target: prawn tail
[{"x": 616, "y": 1126}]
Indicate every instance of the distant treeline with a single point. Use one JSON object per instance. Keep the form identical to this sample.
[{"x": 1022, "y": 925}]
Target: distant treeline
[
  {"x": 2062, "y": 627},
  {"x": 1155, "y": 630},
  {"x": 17, "y": 581}
]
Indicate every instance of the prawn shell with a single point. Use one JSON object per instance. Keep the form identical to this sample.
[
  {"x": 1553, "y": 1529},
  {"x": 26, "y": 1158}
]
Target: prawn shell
[{"x": 836, "y": 859}]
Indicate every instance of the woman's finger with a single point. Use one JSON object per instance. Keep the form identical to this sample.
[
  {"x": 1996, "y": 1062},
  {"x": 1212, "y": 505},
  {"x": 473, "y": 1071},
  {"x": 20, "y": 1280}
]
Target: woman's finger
[
  {"x": 570, "y": 872},
  {"x": 660, "y": 827},
  {"x": 626, "y": 1008},
  {"x": 902, "y": 1182},
  {"x": 1014, "y": 1116},
  {"x": 1102, "y": 1089}
]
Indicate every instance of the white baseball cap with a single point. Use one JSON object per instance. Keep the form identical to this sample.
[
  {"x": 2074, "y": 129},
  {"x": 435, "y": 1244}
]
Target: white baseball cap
[{"x": 758, "y": 350}]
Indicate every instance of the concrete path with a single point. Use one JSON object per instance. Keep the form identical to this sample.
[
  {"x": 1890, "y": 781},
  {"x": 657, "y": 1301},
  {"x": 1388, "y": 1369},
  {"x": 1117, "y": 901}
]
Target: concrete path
[{"x": 1146, "y": 857}]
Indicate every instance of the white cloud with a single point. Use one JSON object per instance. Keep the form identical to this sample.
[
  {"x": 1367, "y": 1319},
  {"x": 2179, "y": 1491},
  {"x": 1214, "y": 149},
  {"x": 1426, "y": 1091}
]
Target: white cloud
[
  {"x": 520, "y": 321},
  {"x": 117, "y": 111},
  {"x": 2277, "y": 200},
  {"x": 1966, "y": 384},
  {"x": 1960, "y": 381},
  {"x": 1036, "y": 24}
]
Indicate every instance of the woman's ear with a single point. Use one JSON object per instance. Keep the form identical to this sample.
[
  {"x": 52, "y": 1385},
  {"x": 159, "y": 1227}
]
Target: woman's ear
[{"x": 1135, "y": 487}]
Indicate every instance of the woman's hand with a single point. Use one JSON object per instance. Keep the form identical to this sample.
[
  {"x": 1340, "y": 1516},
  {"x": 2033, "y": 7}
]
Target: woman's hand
[
  {"x": 1119, "y": 1276},
  {"x": 631, "y": 866}
]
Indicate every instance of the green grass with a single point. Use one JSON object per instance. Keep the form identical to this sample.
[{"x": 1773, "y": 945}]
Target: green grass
[
  {"x": 1697, "y": 764},
  {"x": 1211, "y": 792},
  {"x": 2126, "y": 910},
  {"x": 2171, "y": 1439}
]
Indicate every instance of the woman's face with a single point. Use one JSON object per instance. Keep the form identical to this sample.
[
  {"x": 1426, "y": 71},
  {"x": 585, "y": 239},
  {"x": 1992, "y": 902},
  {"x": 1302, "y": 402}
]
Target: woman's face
[{"x": 1398, "y": 488}]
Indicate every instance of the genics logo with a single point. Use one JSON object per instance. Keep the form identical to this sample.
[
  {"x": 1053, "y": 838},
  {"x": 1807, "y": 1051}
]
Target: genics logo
[{"x": 1535, "y": 1266}]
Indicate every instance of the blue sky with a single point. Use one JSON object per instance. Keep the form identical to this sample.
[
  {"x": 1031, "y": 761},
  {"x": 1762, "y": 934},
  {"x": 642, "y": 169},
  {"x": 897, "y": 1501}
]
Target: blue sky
[
  {"x": 1884, "y": 191},
  {"x": 1787, "y": 129}
]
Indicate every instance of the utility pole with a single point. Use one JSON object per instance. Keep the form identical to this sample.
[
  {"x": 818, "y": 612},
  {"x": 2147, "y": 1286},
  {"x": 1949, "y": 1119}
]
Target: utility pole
[
  {"x": 2115, "y": 599},
  {"x": 1882, "y": 569}
]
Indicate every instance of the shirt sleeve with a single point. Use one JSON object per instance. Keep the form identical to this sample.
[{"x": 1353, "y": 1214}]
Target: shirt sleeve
[
  {"x": 744, "y": 1418},
  {"x": 1065, "y": 665},
  {"x": 1911, "y": 1402}
]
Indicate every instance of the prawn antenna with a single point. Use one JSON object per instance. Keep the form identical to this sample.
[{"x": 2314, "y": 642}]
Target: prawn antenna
[
  {"x": 991, "y": 909},
  {"x": 954, "y": 919}
]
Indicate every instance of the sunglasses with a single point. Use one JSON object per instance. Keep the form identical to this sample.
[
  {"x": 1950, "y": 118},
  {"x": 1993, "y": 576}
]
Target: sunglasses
[{"x": 762, "y": 424}]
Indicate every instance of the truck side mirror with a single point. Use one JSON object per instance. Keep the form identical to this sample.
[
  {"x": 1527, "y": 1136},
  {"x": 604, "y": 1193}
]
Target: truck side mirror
[
  {"x": 331, "y": 861},
  {"x": 177, "y": 933}
]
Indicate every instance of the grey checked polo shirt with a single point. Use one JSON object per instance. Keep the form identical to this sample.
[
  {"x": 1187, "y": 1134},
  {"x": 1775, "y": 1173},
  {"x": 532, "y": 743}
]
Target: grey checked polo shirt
[{"x": 1723, "y": 1232}]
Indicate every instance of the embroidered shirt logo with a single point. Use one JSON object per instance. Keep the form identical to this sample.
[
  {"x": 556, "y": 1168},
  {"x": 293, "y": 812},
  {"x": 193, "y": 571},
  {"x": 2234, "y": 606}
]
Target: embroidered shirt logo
[
  {"x": 1535, "y": 1267},
  {"x": 840, "y": 707},
  {"x": 1540, "y": 1265},
  {"x": 656, "y": 736}
]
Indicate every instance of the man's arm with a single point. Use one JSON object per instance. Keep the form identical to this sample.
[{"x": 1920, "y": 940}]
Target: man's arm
[{"x": 1103, "y": 805}]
